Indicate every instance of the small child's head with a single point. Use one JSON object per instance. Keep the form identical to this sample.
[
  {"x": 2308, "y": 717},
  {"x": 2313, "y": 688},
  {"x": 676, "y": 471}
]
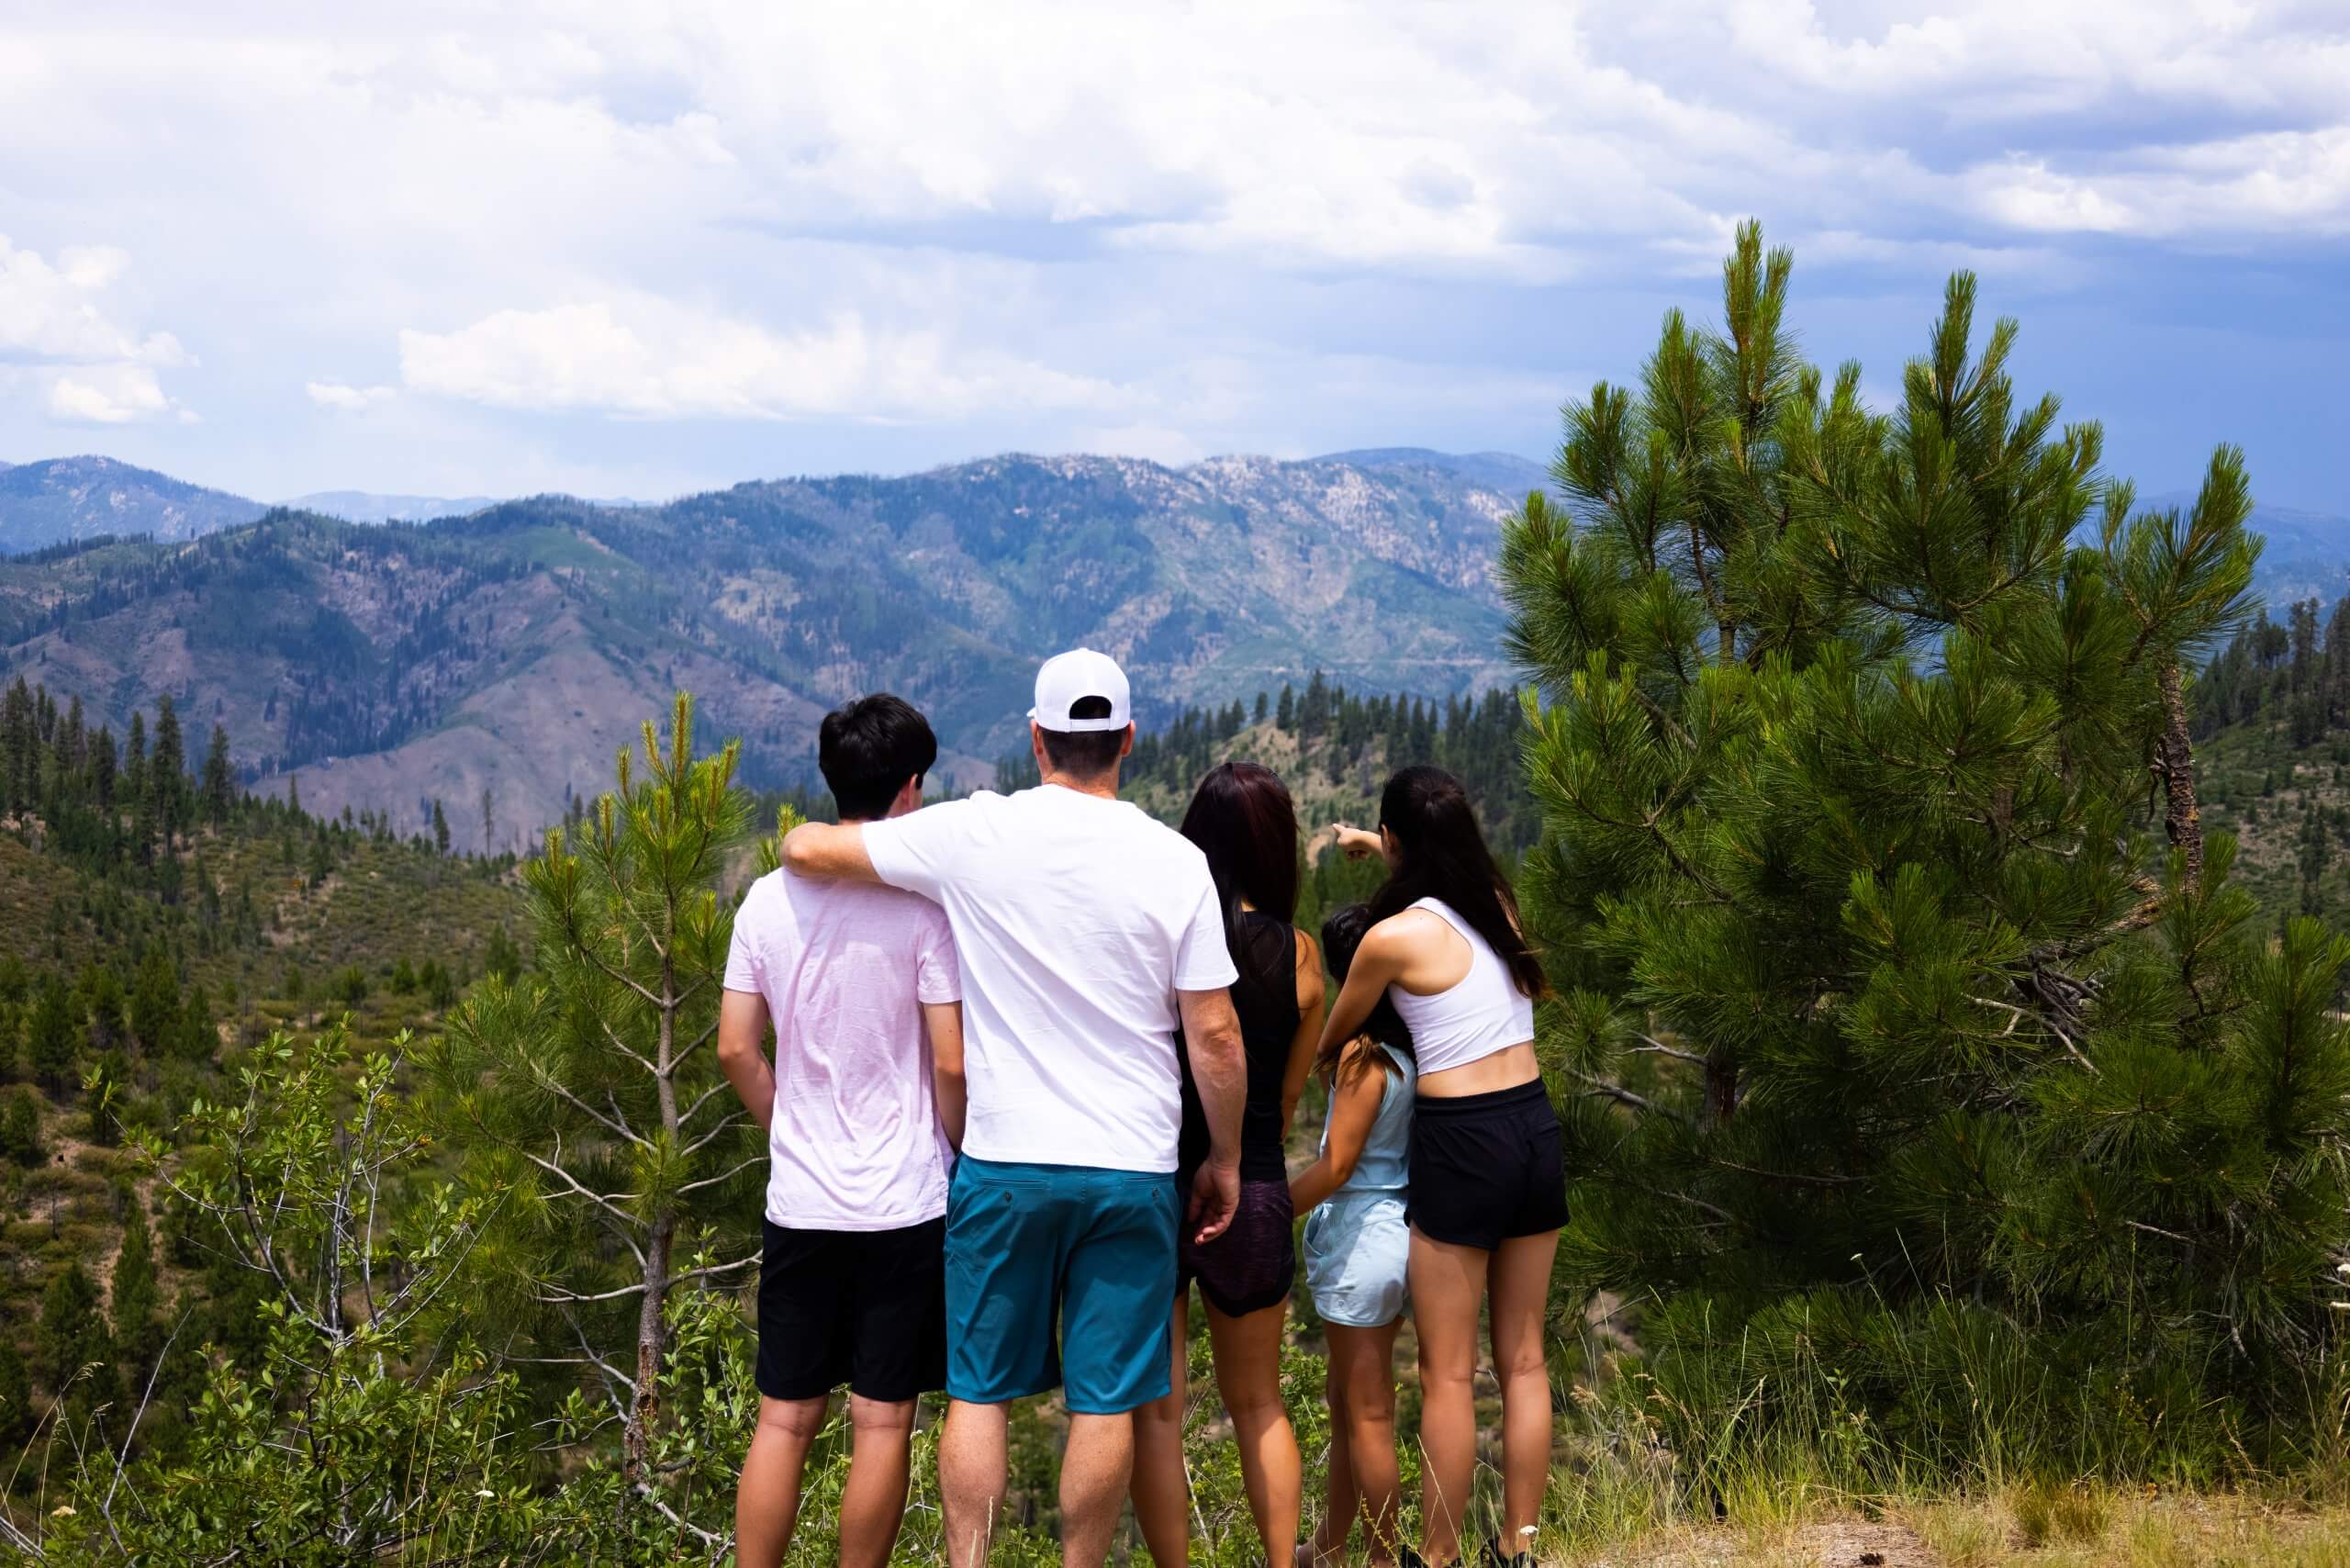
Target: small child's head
[{"x": 1342, "y": 934}]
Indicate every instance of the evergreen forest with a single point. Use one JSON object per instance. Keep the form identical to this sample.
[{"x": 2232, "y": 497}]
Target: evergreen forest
[{"x": 1932, "y": 853}]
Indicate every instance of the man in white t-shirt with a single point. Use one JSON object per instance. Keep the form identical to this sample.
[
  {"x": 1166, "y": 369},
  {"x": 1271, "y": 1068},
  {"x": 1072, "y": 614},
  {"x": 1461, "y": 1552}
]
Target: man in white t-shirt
[
  {"x": 860, "y": 985},
  {"x": 1088, "y": 934}
]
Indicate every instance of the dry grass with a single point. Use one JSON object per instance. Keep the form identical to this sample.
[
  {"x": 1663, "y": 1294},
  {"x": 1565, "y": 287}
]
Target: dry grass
[{"x": 2044, "y": 1527}]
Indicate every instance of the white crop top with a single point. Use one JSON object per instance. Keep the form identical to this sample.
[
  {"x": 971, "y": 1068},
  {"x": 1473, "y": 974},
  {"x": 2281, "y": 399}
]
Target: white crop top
[{"x": 1482, "y": 1013}]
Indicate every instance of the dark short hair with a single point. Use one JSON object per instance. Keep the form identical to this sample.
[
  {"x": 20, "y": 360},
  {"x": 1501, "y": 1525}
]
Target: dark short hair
[
  {"x": 1084, "y": 754},
  {"x": 868, "y": 749}
]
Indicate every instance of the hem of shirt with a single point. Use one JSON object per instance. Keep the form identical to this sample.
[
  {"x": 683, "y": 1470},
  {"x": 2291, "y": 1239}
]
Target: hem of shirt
[
  {"x": 1062, "y": 1157},
  {"x": 862, "y": 1223}
]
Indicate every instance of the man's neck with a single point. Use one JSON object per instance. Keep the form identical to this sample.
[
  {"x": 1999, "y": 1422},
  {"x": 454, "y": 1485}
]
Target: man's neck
[{"x": 1104, "y": 787}]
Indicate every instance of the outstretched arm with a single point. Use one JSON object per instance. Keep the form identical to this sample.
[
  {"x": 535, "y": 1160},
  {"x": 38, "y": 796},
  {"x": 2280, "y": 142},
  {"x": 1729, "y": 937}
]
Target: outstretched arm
[{"x": 828, "y": 851}]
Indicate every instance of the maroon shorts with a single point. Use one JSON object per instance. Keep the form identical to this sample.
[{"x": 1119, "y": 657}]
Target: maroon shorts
[{"x": 1249, "y": 1267}]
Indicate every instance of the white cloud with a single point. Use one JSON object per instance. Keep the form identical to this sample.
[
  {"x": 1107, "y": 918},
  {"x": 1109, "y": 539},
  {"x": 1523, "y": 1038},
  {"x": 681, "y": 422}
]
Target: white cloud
[
  {"x": 346, "y": 399},
  {"x": 652, "y": 359},
  {"x": 1169, "y": 222},
  {"x": 108, "y": 395},
  {"x": 51, "y": 316},
  {"x": 51, "y": 312}
]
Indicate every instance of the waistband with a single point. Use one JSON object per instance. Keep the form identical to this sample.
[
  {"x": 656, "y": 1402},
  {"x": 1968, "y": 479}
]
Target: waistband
[
  {"x": 971, "y": 1168},
  {"x": 1440, "y": 1105}
]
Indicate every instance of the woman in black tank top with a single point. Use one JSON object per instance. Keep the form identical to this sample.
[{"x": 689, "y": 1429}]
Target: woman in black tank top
[{"x": 1244, "y": 822}]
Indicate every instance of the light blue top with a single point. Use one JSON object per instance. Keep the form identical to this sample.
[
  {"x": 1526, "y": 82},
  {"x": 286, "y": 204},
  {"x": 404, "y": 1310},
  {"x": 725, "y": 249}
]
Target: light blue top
[{"x": 1384, "y": 1165}]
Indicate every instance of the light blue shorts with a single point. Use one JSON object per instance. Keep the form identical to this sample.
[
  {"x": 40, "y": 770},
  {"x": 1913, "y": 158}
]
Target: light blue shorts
[{"x": 1356, "y": 1247}]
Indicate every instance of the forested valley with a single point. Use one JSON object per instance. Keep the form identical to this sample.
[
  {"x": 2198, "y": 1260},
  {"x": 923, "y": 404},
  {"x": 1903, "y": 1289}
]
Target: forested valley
[{"x": 1952, "y": 1060}]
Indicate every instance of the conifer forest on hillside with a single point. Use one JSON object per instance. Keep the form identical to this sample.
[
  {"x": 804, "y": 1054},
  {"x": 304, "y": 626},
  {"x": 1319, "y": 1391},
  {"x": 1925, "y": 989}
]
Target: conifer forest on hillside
[{"x": 1937, "y": 856}]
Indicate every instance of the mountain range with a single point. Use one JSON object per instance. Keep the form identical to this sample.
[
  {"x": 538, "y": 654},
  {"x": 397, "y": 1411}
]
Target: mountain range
[
  {"x": 506, "y": 649},
  {"x": 511, "y": 651}
]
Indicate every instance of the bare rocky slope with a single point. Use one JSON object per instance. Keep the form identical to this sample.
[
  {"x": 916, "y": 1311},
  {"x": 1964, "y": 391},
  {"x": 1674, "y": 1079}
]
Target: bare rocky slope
[{"x": 512, "y": 652}]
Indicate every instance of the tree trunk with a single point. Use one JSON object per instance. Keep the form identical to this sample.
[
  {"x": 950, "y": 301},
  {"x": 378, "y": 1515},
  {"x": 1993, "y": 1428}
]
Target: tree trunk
[
  {"x": 1721, "y": 1089},
  {"x": 651, "y": 1340},
  {"x": 2174, "y": 762}
]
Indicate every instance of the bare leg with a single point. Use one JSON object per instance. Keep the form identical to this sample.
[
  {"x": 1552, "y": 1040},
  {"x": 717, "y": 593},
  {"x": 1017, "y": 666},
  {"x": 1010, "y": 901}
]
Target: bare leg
[
  {"x": 767, "y": 1504},
  {"x": 1340, "y": 1497},
  {"x": 1521, "y": 1297},
  {"x": 971, "y": 1459},
  {"x": 1095, "y": 1469},
  {"x": 873, "y": 1504},
  {"x": 1161, "y": 1491},
  {"x": 1249, "y": 1375},
  {"x": 1448, "y": 1284},
  {"x": 1366, "y": 1359}
]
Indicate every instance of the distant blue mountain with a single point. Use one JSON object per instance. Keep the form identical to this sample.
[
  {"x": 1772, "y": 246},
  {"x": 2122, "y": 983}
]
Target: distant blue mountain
[
  {"x": 1503, "y": 471},
  {"x": 61, "y": 498}
]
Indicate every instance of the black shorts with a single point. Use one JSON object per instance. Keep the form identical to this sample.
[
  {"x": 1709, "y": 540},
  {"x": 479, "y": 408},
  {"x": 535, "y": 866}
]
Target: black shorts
[
  {"x": 1486, "y": 1167},
  {"x": 1251, "y": 1265},
  {"x": 863, "y": 1307}
]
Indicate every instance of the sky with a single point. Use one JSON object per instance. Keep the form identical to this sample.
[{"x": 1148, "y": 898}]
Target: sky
[{"x": 638, "y": 249}]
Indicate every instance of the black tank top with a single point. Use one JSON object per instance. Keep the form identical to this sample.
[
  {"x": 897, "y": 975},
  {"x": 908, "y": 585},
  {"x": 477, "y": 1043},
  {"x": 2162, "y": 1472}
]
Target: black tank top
[{"x": 1265, "y": 998}]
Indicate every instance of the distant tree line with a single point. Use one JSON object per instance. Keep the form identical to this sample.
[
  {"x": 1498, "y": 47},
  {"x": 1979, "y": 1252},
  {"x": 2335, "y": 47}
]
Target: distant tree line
[{"x": 1347, "y": 739}]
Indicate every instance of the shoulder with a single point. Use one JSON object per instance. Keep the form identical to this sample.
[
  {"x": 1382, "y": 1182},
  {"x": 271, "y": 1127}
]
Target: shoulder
[
  {"x": 1404, "y": 929},
  {"x": 761, "y": 897}
]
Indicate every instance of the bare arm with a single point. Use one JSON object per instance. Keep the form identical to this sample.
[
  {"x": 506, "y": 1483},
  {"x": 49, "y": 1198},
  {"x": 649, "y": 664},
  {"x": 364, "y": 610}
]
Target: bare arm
[
  {"x": 1354, "y": 1106},
  {"x": 828, "y": 851},
  {"x": 1310, "y": 997},
  {"x": 1220, "y": 1071},
  {"x": 1379, "y": 963},
  {"x": 943, "y": 1021},
  {"x": 742, "y": 1052}
]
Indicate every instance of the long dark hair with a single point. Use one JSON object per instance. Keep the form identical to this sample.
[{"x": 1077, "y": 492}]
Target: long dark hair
[
  {"x": 1342, "y": 932},
  {"x": 1442, "y": 856},
  {"x": 1243, "y": 821}
]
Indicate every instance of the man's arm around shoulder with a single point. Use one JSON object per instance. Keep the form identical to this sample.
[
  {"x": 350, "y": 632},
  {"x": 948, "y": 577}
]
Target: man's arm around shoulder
[{"x": 828, "y": 851}]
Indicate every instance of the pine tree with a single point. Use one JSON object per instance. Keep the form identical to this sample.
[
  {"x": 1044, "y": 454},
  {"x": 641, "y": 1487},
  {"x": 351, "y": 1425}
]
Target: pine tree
[
  {"x": 20, "y": 1129},
  {"x": 17, "y": 1416},
  {"x": 167, "y": 772},
  {"x": 102, "y": 769},
  {"x": 1285, "y": 712},
  {"x": 137, "y": 1300},
  {"x": 1913, "y": 1038},
  {"x": 1314, "y": 711},
  {"x": 220, "y": 780},
  {"x": 440, "y": 829},
  {"x": 53, "y": 1035},
  {"x": 598, "y": 1077},
  {"x": 155, "y": 1002},
  {"x": 134, "y": 763},
  {"x": 70, "y": 1334}
]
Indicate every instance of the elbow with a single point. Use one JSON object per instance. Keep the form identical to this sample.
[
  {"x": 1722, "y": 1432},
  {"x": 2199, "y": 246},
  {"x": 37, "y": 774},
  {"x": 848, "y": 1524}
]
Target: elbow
[
  {"x": 1342, "y": 1166},
  {"x": 799, "y": 857}
]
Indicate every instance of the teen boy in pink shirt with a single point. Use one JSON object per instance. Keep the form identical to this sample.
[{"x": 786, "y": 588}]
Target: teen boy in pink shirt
[{"x": 865, "y": 1096}]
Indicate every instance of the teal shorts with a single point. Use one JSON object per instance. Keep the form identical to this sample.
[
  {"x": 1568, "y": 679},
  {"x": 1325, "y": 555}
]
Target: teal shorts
[{"x": 1059, "y": 1276}]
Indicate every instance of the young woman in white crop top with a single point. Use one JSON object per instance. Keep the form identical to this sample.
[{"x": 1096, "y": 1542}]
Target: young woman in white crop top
[{"x": 1487, "y": 1169}]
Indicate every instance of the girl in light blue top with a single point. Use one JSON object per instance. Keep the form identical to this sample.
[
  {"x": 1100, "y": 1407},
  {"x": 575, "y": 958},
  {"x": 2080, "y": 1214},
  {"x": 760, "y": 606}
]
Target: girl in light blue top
[{"x": 1356, "y": 1246}]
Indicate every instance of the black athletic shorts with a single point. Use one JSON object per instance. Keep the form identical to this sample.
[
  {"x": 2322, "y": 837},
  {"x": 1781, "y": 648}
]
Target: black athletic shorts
[
  {"x": 863, "y": 1307},
  {"x": 1486, "y": 1167}
]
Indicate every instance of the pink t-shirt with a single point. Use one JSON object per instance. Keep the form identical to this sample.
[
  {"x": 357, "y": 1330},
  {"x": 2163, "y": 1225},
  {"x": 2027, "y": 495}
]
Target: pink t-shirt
[{"x": 856, "y": 1143}]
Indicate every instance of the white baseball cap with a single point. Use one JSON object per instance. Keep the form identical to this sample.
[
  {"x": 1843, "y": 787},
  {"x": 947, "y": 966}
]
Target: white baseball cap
[{"x": 1068, "y": 680}]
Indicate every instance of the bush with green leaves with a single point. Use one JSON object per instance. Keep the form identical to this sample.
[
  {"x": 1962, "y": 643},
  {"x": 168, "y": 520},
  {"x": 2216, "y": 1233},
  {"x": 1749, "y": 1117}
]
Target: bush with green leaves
[{"x": 1919, "y": 1047}]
